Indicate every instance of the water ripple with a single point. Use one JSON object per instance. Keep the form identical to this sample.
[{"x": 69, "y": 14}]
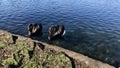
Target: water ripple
[{"x": 92, "y": 26}]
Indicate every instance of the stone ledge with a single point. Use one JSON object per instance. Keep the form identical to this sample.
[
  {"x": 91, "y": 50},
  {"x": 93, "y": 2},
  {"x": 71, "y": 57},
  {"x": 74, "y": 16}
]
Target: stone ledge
[{"x": 77, "y": 60}]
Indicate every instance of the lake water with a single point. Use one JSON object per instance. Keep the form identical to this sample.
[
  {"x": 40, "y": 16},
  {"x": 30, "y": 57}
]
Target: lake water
[{"x": 92, "y": 26}]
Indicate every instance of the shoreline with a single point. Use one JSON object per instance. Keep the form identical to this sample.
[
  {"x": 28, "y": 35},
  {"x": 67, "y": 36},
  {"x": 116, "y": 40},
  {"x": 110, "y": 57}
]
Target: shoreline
[{"x": 76, "y": 60}]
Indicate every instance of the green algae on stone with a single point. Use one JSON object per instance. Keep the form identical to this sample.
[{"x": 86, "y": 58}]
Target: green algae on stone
[
  {"x": 40, "y": 59},
  {"x": 33, "y": 63},
  {"x": 26, "y": 45},
  {"x": 9, "y": 61},
  {"x": 2, "y": 45},
  {"x": 56, "y": 61},
  {"x": 6, "y": 38},
  {"x": 51, "y": 61}
]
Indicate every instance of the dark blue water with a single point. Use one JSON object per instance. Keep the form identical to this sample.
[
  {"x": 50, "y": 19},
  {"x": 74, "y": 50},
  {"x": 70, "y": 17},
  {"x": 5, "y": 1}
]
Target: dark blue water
[{"x": 92, "y": 26}]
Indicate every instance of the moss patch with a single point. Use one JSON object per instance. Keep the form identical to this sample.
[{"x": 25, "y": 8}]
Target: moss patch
[
  {"x": 9, "y": 61},
  {"x": 2, "y": 45}
]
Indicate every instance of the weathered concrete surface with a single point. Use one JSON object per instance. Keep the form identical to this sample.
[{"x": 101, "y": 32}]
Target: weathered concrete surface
[{"x": 21, "y": 52}]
